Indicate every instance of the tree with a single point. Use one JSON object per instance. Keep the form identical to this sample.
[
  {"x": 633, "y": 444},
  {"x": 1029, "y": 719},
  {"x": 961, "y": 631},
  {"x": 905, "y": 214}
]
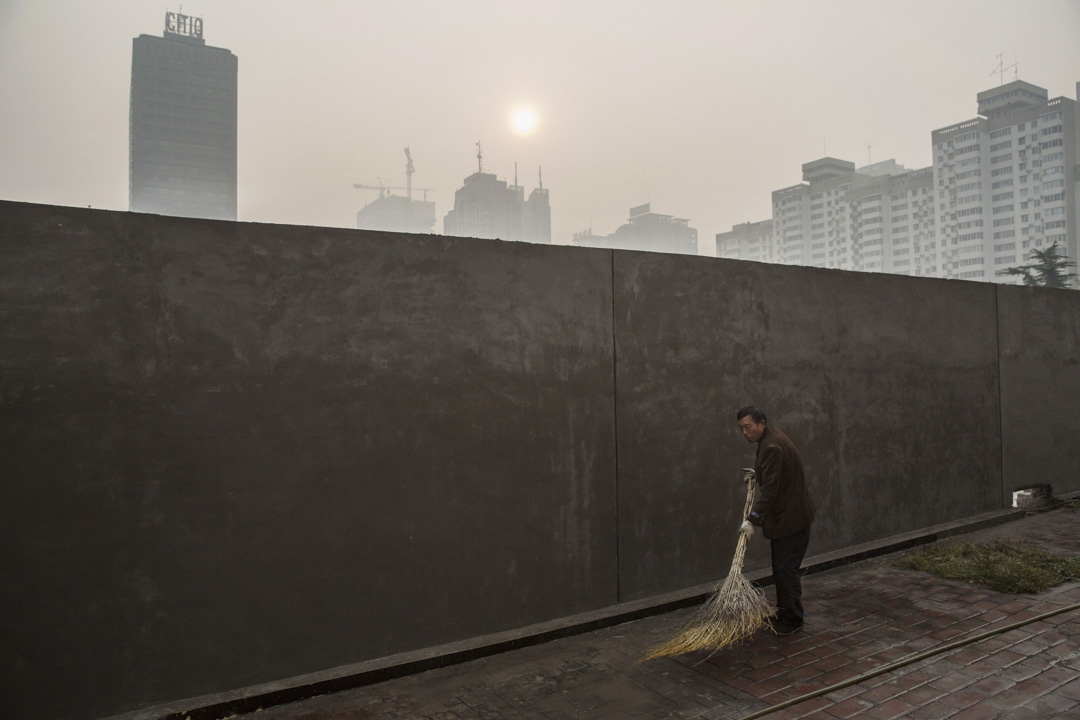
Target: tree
[{"x": 1049, "y": 268}]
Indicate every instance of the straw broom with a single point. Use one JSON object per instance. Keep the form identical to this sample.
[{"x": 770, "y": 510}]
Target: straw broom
[{"x": 735, "y": 611}]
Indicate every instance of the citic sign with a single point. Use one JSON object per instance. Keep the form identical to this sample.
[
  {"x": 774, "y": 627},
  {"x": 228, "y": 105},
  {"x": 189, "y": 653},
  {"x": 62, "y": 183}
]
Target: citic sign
[{"x": 178, "y": 24}]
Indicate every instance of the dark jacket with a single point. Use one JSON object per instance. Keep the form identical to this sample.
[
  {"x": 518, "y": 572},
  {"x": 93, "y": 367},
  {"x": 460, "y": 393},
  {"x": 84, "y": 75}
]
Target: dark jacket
[{"x": 783, "y": 505}]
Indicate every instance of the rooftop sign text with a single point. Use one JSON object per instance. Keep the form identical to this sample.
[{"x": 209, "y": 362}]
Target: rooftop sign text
[{"x": 186, "y": 25}]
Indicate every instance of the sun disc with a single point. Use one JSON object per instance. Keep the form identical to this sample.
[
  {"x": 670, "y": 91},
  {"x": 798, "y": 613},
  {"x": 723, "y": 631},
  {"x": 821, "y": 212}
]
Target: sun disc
[{"x": 524, "y": 120}]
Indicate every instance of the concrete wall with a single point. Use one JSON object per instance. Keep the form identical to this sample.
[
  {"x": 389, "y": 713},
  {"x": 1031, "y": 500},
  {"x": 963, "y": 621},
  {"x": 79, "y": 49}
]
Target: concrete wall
[
  {"x": 236, "y": 453},
  {"x": 869, "y": 375},
  {"x": 1039, "y": 333}
]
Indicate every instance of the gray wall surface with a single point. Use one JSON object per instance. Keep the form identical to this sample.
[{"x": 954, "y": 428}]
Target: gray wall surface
[
  {"x": 860, "y": 371},
  {"x": 235, "y": 453},
  {"x": 1039, "y": 333},
  {"x": 238, "y": 453}
]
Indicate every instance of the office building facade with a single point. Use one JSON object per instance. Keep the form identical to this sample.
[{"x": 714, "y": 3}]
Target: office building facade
[{"x": 182, "y": 129}]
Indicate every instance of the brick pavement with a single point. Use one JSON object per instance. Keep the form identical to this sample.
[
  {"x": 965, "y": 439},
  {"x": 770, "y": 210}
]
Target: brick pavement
[{"x": 860, "y": 617}]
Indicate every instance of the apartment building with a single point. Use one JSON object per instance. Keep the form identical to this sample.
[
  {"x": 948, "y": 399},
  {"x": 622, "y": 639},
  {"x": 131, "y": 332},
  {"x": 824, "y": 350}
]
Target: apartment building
[
  {"x": 1005, "y": 182},
  {"x": 1001, "y": 185},
  {"x": 748, "y": 241},
  {"x": 875, "y": 218}
]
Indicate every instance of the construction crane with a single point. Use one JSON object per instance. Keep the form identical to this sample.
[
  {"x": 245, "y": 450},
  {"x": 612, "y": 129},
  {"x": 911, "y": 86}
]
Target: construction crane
[
  {"x": 409, "y": 170},
  {"x": 385, "y": 189}
]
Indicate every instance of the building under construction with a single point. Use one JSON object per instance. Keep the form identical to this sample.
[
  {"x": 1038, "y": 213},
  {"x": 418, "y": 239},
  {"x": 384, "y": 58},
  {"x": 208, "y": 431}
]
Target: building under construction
[
  {"x": 486, "y": 207},
  {"x": 396, "y": 213},
  {"x": 645, "y": 230}
]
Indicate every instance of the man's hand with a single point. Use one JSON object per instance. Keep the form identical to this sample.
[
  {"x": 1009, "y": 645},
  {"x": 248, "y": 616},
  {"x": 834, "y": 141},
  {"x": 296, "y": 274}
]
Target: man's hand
[
  {"x": 748, "y": 474},
  {"x": 747, "y": 529}
]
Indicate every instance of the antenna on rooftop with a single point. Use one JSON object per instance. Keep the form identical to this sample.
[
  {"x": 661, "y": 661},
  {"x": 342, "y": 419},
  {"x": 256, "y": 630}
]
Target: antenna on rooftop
[
  {"x": 1002, "y": 68},
  {"x": 869, "y": 160},
  {"x": 515, "y": 174},
  {"x": 541, "y": 170},
  {"x": 479, "y": 158}
]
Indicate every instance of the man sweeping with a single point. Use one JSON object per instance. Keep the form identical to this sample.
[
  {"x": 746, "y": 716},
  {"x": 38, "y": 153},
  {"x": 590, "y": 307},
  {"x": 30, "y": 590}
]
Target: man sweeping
[
  {"x": 737, "y": 608},
  {"x": 783, "y": 509}
]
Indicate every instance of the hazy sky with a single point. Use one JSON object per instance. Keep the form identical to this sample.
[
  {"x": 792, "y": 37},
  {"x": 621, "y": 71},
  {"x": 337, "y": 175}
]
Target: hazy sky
[{"x": 701, "y": 107}]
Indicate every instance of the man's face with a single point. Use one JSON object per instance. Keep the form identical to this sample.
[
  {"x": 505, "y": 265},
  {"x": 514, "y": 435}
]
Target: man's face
[{"x": 751, "y": 430}]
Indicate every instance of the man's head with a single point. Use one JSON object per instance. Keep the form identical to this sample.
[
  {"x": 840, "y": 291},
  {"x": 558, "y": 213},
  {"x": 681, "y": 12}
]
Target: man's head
[{"x": 751, "y": 421}]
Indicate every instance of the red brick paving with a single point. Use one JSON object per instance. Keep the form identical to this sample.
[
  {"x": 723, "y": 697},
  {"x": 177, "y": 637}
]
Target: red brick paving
[
  {"x": 976, "y": 712},
  {"x": 860, "y": 617},
  {"x": 890, "y": 709}
]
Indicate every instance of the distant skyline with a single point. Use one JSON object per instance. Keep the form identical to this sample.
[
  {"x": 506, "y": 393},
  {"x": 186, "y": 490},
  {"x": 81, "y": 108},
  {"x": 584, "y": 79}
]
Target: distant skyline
[{"x": 700, "y": 108}]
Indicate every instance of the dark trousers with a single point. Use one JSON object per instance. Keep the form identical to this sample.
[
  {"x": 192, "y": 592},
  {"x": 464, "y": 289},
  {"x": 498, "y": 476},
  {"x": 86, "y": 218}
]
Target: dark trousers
[{"x": 787, "y": 556}]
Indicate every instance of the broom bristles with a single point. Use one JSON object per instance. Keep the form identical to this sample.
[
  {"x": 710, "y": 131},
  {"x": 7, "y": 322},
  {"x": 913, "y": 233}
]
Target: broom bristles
[{"x": 735, "y": 611}]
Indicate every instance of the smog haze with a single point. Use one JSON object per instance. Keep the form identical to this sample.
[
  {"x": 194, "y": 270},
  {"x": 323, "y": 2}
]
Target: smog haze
[{"x": 700, "y": 108}]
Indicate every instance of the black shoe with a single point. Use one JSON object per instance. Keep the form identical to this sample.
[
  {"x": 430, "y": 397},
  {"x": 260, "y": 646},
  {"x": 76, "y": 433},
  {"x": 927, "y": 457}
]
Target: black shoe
[{"x": 781, "y": 629}]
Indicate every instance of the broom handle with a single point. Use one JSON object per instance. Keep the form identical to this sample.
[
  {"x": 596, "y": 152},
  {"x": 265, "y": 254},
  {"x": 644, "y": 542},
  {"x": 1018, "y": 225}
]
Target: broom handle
[
  {"x": 740, "y": 549},
  {"x": 750, "y": 487}
]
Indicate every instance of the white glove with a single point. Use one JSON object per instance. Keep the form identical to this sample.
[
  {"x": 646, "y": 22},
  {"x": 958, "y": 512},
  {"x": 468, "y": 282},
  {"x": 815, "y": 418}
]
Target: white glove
[
  {"x": 747, "y": 529},
  {"x": 748, "y": 474}
]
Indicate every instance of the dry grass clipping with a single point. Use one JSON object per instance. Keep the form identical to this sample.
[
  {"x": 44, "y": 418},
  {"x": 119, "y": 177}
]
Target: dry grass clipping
[
  {"x": 735, "y": 611},
  {"x": 1000, "y": 565}
]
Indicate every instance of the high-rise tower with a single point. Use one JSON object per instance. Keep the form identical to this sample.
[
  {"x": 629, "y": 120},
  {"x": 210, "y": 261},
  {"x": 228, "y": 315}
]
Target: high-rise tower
[
  {"x": 486, "y": 207},
  {"x": 182, "y": 126}
]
